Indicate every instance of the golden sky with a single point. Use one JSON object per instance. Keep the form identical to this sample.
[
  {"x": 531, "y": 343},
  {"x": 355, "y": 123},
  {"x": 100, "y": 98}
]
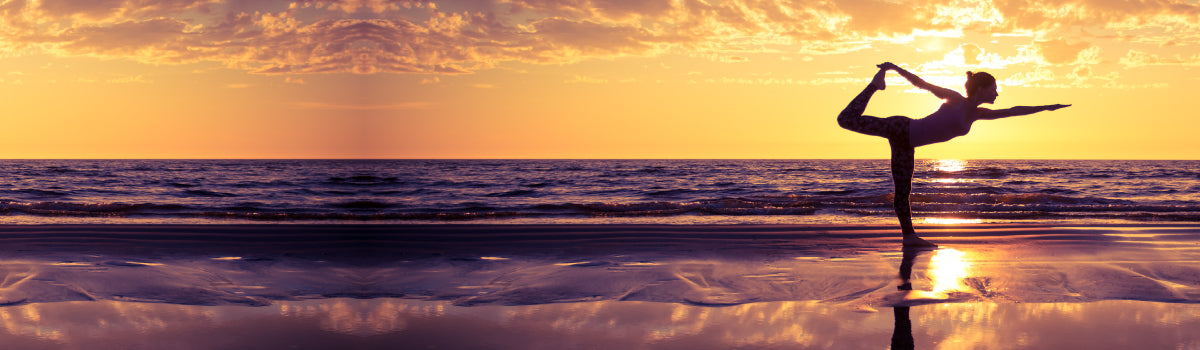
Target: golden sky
[{"x": 583, "y": 78}]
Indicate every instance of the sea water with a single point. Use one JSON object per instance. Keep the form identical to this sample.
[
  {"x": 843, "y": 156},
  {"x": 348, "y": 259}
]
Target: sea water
[
  {"x": 591, "y": 191},
  {"x": 792, "y": 191}
]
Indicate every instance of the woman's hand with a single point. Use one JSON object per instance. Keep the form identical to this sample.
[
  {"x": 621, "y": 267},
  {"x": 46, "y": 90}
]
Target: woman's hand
[
  {"x": 1055, "y": 107},
  {"x": 888, "y": 66}
]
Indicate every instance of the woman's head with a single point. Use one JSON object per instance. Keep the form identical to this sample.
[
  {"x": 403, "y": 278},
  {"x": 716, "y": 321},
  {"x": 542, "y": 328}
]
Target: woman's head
[{"x": 982, "y": 85}]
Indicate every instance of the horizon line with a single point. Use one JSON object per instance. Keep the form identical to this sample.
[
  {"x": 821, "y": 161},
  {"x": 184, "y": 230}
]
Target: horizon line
[{"x": 464, "y": 158}]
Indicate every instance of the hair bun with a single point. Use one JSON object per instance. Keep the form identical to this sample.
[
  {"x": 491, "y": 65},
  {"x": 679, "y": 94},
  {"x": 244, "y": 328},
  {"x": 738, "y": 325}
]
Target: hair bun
[{"x": 970, "y": 73}]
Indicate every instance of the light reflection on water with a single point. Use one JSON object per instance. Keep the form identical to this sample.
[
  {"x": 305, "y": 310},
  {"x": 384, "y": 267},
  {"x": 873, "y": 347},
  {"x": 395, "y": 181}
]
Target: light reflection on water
[
  {"x": 949, "y": 221},
  {"x": 947, "y": 268},
  {"x": 648, "y": 325},
  {"x": 949, "y": 165}
]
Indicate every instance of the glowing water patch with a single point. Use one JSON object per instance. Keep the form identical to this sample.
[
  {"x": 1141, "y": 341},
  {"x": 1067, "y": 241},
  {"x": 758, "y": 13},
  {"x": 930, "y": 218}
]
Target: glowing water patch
[
  {"x": 949, "y": 165},
  {"x": 228, "y": 258},
  {"x": 951, "y": 221},
  {"x": 947, "y": 268},
  {"x": 493, "y": 258},
  {"x": 952, "y": 181}
]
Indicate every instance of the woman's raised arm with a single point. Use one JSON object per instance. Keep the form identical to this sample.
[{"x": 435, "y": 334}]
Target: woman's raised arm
[
  {"x": 985, "y": 113},
  {"x": 940, "y": 92}
]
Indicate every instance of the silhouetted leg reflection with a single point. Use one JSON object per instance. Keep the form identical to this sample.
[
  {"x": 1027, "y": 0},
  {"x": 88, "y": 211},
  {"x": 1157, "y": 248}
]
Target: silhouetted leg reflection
[
  {"x": 907, "y": 260},
  {"x": 902, "y": 337}
]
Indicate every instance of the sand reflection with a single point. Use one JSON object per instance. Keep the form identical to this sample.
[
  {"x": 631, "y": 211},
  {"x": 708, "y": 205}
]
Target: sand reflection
[{"x": 312, "y": 324}]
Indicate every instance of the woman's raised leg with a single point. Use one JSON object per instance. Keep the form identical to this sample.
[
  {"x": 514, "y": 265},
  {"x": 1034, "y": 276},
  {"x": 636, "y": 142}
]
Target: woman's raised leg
[{"x": 852, "y": 117}]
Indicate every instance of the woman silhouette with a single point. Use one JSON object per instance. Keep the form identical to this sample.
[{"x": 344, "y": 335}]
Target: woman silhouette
[{"x": 952, "y": 119}]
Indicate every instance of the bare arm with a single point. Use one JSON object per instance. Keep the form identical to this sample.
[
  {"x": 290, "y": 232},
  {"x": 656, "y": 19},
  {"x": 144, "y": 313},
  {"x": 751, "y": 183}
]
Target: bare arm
[
  {"x": 985, "y": 113},
  {"x": 940, "y": 92}
]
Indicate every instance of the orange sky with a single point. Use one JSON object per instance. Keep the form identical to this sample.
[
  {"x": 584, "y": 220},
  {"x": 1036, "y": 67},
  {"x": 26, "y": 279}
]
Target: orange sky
[{"x": 582, "y": 78}]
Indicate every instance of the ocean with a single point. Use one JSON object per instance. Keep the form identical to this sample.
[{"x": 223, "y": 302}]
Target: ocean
[
  {"x": 195, "y": 191},
  {"x": 592, "y": 191},
  {"x": 791, "y": 191}
]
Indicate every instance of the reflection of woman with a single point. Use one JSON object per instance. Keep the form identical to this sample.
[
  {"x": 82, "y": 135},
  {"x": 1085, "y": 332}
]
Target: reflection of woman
[
  {"x": 902, "y": 338},
  {"x": 952, "y": 119}
]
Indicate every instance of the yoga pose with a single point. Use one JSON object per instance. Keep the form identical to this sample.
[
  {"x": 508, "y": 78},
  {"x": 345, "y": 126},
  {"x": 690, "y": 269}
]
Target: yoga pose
[{"x": 952, "y": 119}]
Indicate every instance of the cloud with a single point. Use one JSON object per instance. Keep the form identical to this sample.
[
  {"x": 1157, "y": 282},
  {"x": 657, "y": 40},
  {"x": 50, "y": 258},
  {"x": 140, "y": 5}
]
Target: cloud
[
  {"x": 1136, "y": 59},
  {"x": 1028, "y": 78},
  {"x": 354, "y": 6},
  {"x": 971, "y": 53},
  {"x": 422, "y": 37},
  {"x": 615, "y": 9},
  {"x": 127, "y": 38},
  {"x": 1060, "y": 51},
  {"x": 129, "y": 80},
  {"x": 578, "y": 79}
]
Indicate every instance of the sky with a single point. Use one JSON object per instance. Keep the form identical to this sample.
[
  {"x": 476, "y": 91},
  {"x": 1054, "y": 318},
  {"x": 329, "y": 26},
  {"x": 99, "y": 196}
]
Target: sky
[{"x": 584, "y": 78}]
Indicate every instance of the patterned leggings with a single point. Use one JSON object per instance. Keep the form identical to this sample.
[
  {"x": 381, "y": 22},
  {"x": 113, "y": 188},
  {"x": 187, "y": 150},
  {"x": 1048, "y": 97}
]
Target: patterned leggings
[{"x": 895, "y": 129}]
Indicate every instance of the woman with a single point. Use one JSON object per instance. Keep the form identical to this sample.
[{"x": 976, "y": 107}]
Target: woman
[{"x": 952, "y": 119}]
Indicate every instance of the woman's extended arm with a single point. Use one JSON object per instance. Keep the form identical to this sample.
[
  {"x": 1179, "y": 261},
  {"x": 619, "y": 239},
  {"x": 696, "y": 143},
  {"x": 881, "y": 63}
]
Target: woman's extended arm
[
  {"x": 940, "y": 92},
  {"x": 985, "y": 113}
]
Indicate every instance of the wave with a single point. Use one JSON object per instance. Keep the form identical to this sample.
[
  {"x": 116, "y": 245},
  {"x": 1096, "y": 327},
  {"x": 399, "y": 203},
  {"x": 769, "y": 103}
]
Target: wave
[
  {"x": 987, "y": 206},
  {"x": 363, "y": 205},
  {"x": 207, "y": 193},
  {"x": 1012, "y": 198},
  {"x": 87, "y": 209},
  {"x": 963, "y": 205},
  {"x": 39, "y": 192},
  {"x": 513, "y": 193}
]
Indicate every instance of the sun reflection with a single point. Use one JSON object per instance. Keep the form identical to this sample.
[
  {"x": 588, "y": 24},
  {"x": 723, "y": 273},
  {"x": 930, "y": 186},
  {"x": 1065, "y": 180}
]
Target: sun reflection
[
  {"x": 947, "y": 268},
  {"x": 951, "y": 221},
  {"x": 951, "y": 181},
  {"x": 949, "y": 165}
]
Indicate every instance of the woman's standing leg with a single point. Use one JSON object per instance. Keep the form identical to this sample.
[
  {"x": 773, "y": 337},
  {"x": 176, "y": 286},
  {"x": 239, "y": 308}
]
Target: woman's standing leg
[
  {"x": 902, "y": 173},
  {"x": 903, "y": 163}
]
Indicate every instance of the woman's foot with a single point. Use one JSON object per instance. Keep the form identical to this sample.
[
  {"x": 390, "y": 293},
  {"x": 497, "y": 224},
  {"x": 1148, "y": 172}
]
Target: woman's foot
[
  {"x": 916, "y": 242},
  {"x": 879, "y": 80},
  {"x": 905, "y": 286}
]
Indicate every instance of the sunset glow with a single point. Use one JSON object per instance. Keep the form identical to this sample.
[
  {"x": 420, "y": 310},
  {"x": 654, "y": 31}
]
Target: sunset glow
[{"x": 583, "y": 78}]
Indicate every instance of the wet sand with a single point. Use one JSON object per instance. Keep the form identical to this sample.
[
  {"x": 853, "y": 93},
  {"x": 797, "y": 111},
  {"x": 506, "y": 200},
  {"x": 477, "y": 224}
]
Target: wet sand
[
  {"x": 1114, "y": 324},
  {"x": 852, "y": 265},
  {"x": 336, "y": 323},
  {"x": 600, "y": 286},
  {"x": 818, "y": 287}
]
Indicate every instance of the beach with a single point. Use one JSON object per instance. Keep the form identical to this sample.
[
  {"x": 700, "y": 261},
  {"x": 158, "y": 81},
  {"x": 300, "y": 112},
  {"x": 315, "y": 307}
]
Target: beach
[
  {"x": 818, "y": 286},
  {"x": 639, "y": 254},
  {"x": 195, "y": 286},
  {"x": 597, "y": 286}
]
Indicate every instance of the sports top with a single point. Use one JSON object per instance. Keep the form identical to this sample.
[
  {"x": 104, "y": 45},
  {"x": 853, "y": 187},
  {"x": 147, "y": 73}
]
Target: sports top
[{"x": 949, "y": 121}]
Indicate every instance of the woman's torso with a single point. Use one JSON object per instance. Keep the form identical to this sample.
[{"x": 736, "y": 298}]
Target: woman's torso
[{"x": 949, "y": 121}]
